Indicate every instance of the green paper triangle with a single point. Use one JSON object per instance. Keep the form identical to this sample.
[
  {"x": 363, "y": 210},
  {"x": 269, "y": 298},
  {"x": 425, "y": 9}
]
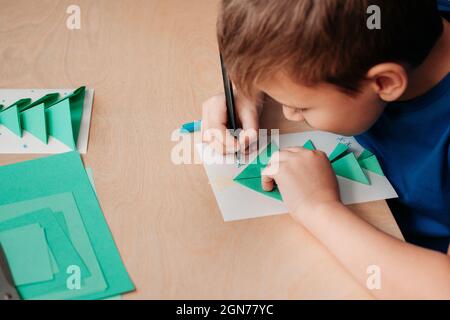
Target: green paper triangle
[
  {"x": 60, "y": 124},
  {"x": 309, "y": 145},
  {"x": 253, "y": 170},
  {"x": 76, "y": 101},
  {"x": 20, "y": 103},
  {"x": 365, "y": 154},
  {"x": 349, "y": 168},
  {"x": 250, "y": 177},
  {"x": 371, "y": 163},
  {"x": 10, "y": 119},
  {"x": 76, "y": 110},
  {"x": 338, "y": 151},
  {"x": 47, "y": 100},
  {"x": 33, "y": 121}
]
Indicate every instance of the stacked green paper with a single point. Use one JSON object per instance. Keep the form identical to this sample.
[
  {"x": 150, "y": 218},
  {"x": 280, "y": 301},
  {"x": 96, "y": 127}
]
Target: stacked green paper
[{"x": 54, "y": 234}]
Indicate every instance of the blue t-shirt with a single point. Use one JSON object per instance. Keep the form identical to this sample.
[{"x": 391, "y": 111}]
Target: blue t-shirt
[
  {"x": 412, "y": 141},
  {"x": 443, "y": 5}
]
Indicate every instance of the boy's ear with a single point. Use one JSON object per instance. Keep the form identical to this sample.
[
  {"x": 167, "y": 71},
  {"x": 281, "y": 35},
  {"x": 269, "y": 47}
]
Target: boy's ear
[{"x": 389, "y": 80}]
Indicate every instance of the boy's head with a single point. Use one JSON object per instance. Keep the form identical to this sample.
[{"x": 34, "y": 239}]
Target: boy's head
[{"x": 319, "y": 59}]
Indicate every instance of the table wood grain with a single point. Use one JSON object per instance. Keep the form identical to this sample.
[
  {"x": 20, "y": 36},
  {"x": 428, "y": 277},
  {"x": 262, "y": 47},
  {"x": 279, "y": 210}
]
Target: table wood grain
[{"x": 152, "y": 63}]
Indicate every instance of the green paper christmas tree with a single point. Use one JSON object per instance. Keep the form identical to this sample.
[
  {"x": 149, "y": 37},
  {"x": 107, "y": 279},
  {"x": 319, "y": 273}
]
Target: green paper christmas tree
[
  {"x": 343, "y": 162},
  {"x": 47, "y": 116}
]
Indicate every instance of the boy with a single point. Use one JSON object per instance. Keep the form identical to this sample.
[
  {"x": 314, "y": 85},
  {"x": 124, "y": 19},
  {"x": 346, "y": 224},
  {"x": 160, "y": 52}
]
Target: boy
[{"x": 389, "y": 87}]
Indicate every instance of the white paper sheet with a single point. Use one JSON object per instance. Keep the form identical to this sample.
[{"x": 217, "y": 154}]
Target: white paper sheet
[
  {"x": 12, "y": 144},
  {"x": 237, "y": 202}
]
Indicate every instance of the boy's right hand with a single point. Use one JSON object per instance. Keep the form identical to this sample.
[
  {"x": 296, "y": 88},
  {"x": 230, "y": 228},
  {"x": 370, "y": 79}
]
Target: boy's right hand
[{"x": 214, "y": 123}]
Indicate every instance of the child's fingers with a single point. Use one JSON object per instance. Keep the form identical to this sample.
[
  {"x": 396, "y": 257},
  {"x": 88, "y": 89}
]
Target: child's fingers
[
  {"x": 247, "y": 137},
  {"x": 249, "y": 117},
  {"x": 221, "y": 139},
  {"x": 269, "y": 173},
  {"x": 248, "y": 113},
  {"x": 267, "y": 182},
  {"x": 293, "y": 149}
]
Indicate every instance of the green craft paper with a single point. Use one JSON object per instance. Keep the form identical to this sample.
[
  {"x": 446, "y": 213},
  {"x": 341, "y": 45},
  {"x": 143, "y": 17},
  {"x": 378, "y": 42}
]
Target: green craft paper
[
  {"x": 10, "y": 119},
  {"x": 60, "y": 124},
  {"x": 349, "y": 168},
  {"x": 53, "y": 263},
  {"x": 90, "y": 174},
  {"x": 27, "y": 254},
  {"x": 338, "y": 151},
  {"x": 33, "y": 121},
  {"x": 114, "y": 298},
  {"x": 93, "y": 280},
  {"x": 19, "y": 104},
  {"x": 76, "y": 109},
  {"x": 91, "y": 178},
  {"x": 371, "y": 163},
  {"x": 47, "y": 100},
  {"x": 64, "y": 173},
  {"x": 309, "y": 145},
  {"x": 76, "y": 102},
  {"x": 255, "y": 185},
  {"x": 60, "y": 246},
  {"x": 365, "y": 154},
  {"x": 250, "y": 177},
  {"x": 253, "y": 170}
]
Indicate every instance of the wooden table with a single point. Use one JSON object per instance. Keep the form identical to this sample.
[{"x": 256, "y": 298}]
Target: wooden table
[{"x": 152, "y": 63}]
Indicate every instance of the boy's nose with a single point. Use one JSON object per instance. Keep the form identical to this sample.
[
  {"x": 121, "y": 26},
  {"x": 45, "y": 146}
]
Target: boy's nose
[{"x": 293, "y": 114}]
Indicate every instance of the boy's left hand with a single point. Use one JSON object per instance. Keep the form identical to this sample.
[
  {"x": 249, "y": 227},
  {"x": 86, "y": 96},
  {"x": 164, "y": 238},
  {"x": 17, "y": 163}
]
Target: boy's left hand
[{"x": 304, "y": 177}]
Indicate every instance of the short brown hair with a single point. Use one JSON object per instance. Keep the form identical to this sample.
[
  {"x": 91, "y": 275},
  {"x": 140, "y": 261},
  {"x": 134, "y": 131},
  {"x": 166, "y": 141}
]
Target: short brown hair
[{"x": 322, "y": 40}]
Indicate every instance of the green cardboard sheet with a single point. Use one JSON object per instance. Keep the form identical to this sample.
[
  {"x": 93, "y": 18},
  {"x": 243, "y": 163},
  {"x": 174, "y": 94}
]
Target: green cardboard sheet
[
  {"x": 349, "y": 168},
  {"x": 63, "y": 175},
  {"x": 60, "y": 246},
  {"x": 90, "y": 174},
  {"x": 338, "y": 152},
  {"x": 27, "y": 254},
  {"x": 250, "y": 177}
]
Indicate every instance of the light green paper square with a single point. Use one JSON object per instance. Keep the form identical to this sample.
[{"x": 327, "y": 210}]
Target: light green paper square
[
  {"x": 66, "y": 204},
  {"x": 27, "y": 254},
  {"x": 58, "y": 243}
]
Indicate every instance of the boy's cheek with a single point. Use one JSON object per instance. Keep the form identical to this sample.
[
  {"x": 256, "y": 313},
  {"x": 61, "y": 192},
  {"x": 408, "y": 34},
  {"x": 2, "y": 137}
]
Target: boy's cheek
[{"x": 347, "y": 125}]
